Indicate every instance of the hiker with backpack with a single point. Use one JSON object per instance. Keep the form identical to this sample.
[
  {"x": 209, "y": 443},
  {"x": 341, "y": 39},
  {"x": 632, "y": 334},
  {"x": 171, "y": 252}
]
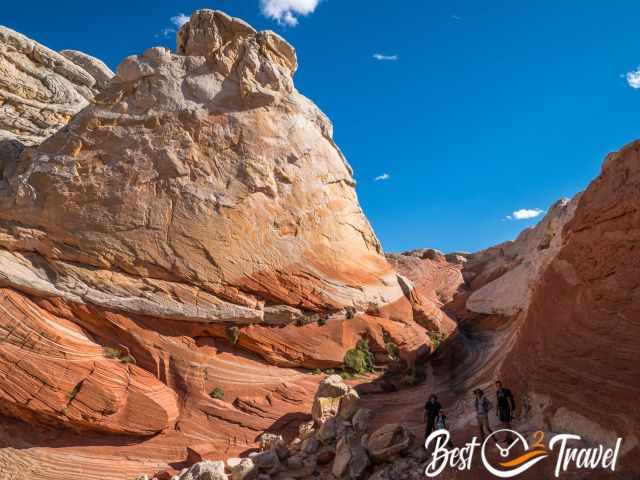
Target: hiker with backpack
[
  {"x": 505, "y": 408},
  {"x": 483, "y": 406},
  {"x": 431, "y": 411}
]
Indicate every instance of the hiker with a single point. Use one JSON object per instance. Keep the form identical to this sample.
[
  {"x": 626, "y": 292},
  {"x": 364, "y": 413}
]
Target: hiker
[
  {"x": 431, "y": 411},
  {"x": 441, "y": 424},
  {"x": 506, "y": 405},
  {"x": 483, "y": 406}
]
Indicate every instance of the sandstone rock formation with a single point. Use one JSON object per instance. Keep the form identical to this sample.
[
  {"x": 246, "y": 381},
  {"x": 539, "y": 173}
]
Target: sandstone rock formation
[
  {"x": 176, "y": 260},
  {"x": 203, "y": 187},
  {"x": 552, "y": 314},
  {"x": 185, "y": 242},
  {"x": 436, "y": 282},
  {"x": 576, "y": 353},
  {"x": 93, "y": 66},
  {"x": 518, "y": 265},
  {"x": 40, "y": 90},
  {"x": 51, "y": 369}
]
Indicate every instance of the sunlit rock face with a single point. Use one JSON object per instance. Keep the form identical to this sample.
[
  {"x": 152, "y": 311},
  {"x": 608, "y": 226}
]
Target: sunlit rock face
[
  {"x": 40, "y": 90},
  {"x": 578, "y": 346},
  {"x": 519, "y": 264},
  {"x": 552, "y": 314},
  {"x": 200, "y": 185}
]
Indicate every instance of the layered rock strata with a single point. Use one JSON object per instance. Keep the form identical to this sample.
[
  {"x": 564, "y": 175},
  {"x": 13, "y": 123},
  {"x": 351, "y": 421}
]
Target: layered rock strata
[{"x": 40, "y": 90}]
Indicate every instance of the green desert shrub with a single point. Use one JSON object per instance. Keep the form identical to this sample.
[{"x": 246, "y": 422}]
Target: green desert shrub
[
  {"x": 359, "y": 360},
  {"x": 306, "y": 319},
  {"x": 217, "y": 393},
  {"x": 111, "y": 352},
  {"x": 436, "y": 339},
  {"x": 346, "y": 375},
  {"x": 392, "y": 349},
  {"x": 117, "y": 354}
]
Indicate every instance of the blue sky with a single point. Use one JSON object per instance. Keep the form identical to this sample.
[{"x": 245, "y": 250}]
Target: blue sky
[{"x": 477, "y": 109}]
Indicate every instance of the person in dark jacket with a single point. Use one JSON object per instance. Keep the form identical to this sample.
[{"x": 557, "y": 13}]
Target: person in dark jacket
[
  {"x": 441, "y": 424},
  {"x": 506, "y": 406},
  {"x": 431, "y": 410}
]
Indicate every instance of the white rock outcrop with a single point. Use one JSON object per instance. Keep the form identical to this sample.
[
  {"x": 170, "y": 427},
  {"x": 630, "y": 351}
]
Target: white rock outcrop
[{"x": 40, "y": 90}]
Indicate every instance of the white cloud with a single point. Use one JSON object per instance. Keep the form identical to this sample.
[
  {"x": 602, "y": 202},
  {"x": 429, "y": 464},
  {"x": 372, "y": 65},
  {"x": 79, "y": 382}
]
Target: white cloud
[
  {"x": 525, "y": 214},
  {"x": 286, "y": 12},
  {"x": 633, "y": 78},
  {"x": 380, "y": 56},
  {"x": 384, "y": 176},
  {"x": 166, "y": 32},
  {"x": 179, "y": 20},
  {"x": 456, "y": 17}
]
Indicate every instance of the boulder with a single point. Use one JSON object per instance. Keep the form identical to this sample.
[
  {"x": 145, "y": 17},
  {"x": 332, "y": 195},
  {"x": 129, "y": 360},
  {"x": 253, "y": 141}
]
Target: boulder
[
  {"x": 310, "y": 445},
  {"x": 267, "y": 461},
  {"x": 349, "y": 404},
  {"x": 361, "y": 420},
  {"x": 294, "y": 462},
  {"x": 244, "y": 470},
  {"x": 456, "y": 258},
  {"x": 328, "y": 431},
  {"x": 206, "y": 470},
  {"x": 334, "y": 398},
  {"x": 388, "y": 441},
  {"x": 351, "y": 460},
  {"x": 269, "y": 441},
  {"x": 325, "y": 456}
]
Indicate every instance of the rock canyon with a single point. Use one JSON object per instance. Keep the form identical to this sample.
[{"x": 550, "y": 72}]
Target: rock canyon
[{"x": 185, "y": 269}]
